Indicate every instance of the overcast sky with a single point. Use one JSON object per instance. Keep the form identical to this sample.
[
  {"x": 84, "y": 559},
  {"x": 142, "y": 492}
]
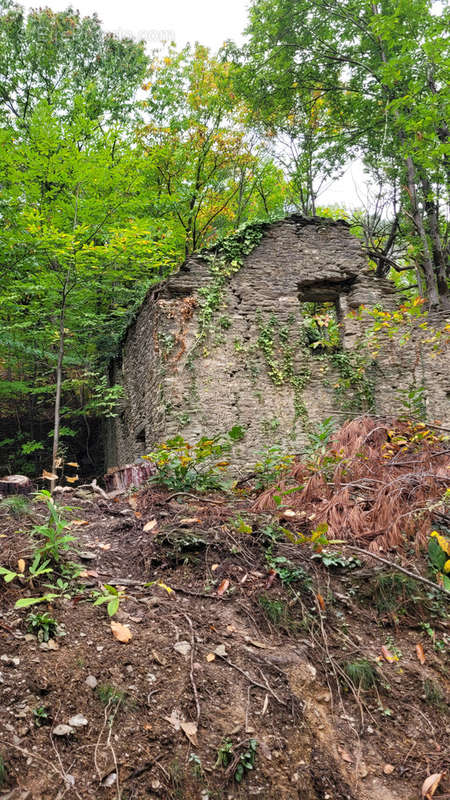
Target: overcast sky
[{"x": 209, "y": 22}]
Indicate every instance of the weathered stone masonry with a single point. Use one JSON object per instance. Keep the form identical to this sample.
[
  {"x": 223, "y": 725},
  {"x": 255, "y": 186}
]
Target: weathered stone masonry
[{"x": 253, "y": 368}]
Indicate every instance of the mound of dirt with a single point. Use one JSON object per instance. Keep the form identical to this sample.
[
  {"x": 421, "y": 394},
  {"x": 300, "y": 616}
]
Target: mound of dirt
[{"x": 252, "y": 670}]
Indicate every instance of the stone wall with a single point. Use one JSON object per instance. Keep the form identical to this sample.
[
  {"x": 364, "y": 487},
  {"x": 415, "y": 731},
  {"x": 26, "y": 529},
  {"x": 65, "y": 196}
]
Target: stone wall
[{"x": 253, "y": 368}]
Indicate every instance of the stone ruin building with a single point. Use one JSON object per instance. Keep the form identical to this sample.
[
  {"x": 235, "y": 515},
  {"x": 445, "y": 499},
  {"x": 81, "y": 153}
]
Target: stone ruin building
[{"x": 224, "y": 342}]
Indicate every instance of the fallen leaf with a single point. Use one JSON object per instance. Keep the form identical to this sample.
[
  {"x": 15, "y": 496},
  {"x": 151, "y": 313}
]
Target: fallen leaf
[
  {"x": 214, "y": 567},
  {"x": 420, "y": 653},
  {"x": 265, "y": 704},
  {"x": 175, "y": 719},
  {"x": 271, "y": 578},
  {"x": 73, "y": 479},
  {"x": 103, "y": 546},
  {"x": 156, "y": 657},
  {"x": 138, "y": 514},
  {"x": 190, "y": 521},
  {"x": 255, "y": 643},
  {"x": 220, "y": 650},
  {"x": 77, "y": 522},
  {"x": 21, "y": 565},
  {"x": 345, "y": 757},
  {"x": 62, "y": 730},
  {"x": 72, "y": 464},
  {"x": 388, "y": 769},
  {"x": 231, "y": 629},
  {"x": 321, "y": 601},
  {"x": 387, "y": 655},
  {"x": 223, "y": 587},
  {"x": 289, "y": 513},
  {"x": 210, "y": 657},
  {"x": 430, "y": 784},
  {"x": 49, "y": 476},
  {"x": 121, "y": 632},
  {"x": 89, "y": 573},
  {"x": 190, "y": 729},
  {"x": 132, "y": 501},
  {"x": 149, "y": 526}
]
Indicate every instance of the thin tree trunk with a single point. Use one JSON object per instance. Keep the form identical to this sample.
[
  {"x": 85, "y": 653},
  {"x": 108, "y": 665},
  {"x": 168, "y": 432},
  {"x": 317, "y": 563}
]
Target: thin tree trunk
[
  {"x": 427, "y": 260},
  {"x": 439, "y": 256},
  {"x": 59, "y": 371}
]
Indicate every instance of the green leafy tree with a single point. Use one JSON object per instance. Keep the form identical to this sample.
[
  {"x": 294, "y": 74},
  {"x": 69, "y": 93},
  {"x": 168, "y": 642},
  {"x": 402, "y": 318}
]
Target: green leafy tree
[{"x": 380, "y": 71}]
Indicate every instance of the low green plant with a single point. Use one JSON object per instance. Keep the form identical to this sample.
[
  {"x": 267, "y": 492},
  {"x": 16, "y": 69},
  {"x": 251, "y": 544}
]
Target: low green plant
[
  {"x": 109, "y": 695},
  {"x": 318, "y": 439},
  {"x": 273, "y": 464},
  {"x": 51, "y": 536},
  {"x": 17, "y": 505},
  {"x": 41, "y": 716},
  {"x": 391, "y": 590},
  {"x": 224, "y": 753},
  {"x": 245, "y": 762},
  {"x": 276, "y": 611},
  {"x": 241, "y": 526},
  {"x": 438, "y": 644},
  {"x": 196, "y": 765},
  {"x": 42, "y": 625},
  {"x": 330, "y": 558},
  {"x": 35, "y": 570},
  {"x": 439, "y": 557},
  {"x": 2, "y": 771},
  {"x": 362, "y": 673},
  {"x": 183, "y": 467},
  {"x": 111, "y": 596},
  {"x": 287, "y": 571}
]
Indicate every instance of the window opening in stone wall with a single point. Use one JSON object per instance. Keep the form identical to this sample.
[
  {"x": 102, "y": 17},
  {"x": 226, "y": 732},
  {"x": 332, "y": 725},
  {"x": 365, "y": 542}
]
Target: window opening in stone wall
[
  {"x": 140, "y": 439},
  {"x": 321, "y": 326}
]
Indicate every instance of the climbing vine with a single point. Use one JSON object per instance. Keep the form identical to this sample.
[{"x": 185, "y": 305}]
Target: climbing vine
[
  {"x": 224, "y": 259},
  {"x": 279, "y": 345}
]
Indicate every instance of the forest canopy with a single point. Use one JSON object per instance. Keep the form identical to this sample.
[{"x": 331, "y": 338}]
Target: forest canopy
[{"x": 116, "y": 163}]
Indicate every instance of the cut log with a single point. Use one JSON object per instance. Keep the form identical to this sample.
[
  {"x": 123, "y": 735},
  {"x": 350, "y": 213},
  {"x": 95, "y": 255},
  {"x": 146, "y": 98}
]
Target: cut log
[
  {"x": 123, "y": 478},
  {"x": 15, "y": 484}
]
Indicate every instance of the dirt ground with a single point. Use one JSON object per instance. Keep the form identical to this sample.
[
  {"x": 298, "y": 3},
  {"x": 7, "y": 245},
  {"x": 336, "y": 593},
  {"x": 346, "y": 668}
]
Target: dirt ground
[{"x": 236, "y": 682}]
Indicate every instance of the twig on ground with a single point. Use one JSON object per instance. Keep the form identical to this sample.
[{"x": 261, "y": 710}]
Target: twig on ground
[
  {"x": 31, "y": 755},
  {"x": 265, "y": 687},
  {"x": 397, "y": 567},
  {"x": 195, "y": 497},
  {"x": 191, "y": 673}
]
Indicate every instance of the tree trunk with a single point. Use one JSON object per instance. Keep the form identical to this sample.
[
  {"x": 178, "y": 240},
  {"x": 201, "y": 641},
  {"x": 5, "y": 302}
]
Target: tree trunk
[
  {"x": 59, "y": 372},
  {"x": 427, "y": 261}
]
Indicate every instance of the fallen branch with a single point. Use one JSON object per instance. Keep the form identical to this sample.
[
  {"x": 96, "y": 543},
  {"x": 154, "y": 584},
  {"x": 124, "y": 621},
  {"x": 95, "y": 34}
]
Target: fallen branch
[
  {"x": 191, "y": 673},
  {"x": 398, "y": 568},
  {"x": 195, "y": 497}
]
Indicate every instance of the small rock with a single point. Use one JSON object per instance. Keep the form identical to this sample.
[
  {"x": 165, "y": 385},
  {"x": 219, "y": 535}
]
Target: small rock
[
  {"x": 155, "y": 784},
  {"x": 151, "y": 677},
  {"x": 99, "y": 648},
  {"x": 52, "y": 645},
  {"x": 184, "y": 648},
  {"x": 110, "y": 779},
  {"x": 62, "y": 730},
  {"x": 29, "y": 637},
  {"x": 91, "y": 681},
  {"x": 11, "y": 661},
  {"x": 87, "y": 555},
  {"x": 220, "y": 650},
  {"x": 78, "y": 721}
]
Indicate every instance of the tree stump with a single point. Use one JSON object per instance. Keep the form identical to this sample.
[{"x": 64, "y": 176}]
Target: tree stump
[{"x": 15, "y": 484}]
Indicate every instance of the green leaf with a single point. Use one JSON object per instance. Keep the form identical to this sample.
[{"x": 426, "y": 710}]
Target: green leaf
[{"x": 113, "y": 606}]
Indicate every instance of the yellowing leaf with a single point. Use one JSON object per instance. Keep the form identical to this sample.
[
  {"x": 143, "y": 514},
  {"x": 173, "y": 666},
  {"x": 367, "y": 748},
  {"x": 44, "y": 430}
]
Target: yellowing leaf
[
  {"x": 387, "y": 655},
  {"x": 430, "y": 785},
  {"x": 420, "y": 653},
  {"x": 73, "y": 479},
  {"x": 21, "y": 564},
  {"x": 190, "y": 729},
  {"x": 49, "y": 476},
  {"x": 210, "y": 657},
  {"x": 149, "y": 526},
  {"x": 121, "y": 632},
  {"x": 72, "y": 464},
  {"x": 223, "y": 587}
]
